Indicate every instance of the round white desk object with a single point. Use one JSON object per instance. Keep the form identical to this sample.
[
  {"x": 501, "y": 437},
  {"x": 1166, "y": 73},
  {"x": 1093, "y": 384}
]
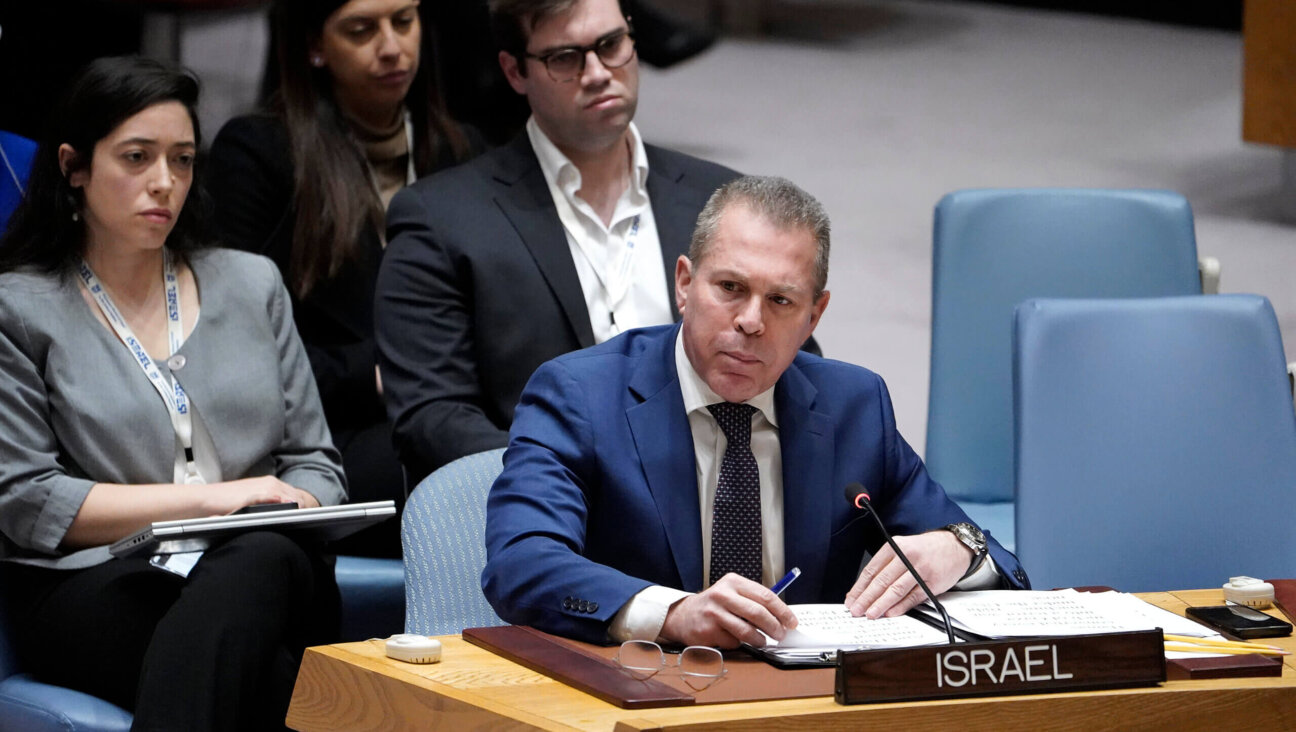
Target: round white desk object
[
  {"x": 412, "y": 648},
  {"x": 1249, "y": 591}
]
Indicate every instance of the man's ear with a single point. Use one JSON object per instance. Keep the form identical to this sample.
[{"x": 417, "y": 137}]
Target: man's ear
[
  {"x": 817, "y": 310},
  {"x": 509, "y": 64},
  {"x": 683, "y": 276},
  {"x": 67, "y": 157}
]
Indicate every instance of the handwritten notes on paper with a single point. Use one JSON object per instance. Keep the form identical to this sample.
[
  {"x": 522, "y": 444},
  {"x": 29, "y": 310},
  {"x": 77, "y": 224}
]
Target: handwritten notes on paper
[
  {"x": 832, "y": 627},
  {"x": 1025, "y": 613},
  {"x": 823, "y": 629}
]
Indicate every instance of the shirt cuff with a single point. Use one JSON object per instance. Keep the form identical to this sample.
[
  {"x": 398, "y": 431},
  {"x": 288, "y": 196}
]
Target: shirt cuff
[
  {"x": 644, "y": 615},
  {"x": 986, "y": 577}
]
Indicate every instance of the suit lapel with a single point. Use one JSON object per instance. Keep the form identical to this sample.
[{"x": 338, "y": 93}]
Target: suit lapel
[
  {"x": 523, "y": 196},
  {"x": 675, "y": 217},
  {"x": 805, "y": 437},
  {"x": 665, "y": 446}
]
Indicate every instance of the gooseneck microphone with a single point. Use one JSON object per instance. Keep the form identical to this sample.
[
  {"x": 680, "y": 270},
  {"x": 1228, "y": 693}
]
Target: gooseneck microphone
[{"x": 859, "y": 498}]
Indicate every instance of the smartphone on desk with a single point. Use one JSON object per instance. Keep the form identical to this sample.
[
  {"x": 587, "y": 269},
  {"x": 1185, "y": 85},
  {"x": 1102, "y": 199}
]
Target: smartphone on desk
[{"x": 1240, "y": 621}]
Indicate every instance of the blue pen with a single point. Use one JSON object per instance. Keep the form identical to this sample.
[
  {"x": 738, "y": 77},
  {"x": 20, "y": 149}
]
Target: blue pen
[{"x": 788, "y": 578}]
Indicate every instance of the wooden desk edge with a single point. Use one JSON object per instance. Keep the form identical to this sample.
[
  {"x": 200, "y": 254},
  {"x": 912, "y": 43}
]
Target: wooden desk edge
[
  {"x": 398, "y": 697},
  {"x": 386, "y": 696}
]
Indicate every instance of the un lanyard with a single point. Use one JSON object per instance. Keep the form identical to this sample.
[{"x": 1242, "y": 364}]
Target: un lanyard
[{"x": 173, "y": 395}]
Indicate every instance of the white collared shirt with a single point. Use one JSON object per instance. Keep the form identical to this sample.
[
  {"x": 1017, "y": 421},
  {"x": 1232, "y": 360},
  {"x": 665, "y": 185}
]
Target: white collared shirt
[
  {"x": 619, "y": 265},
  {"x": 644, "y": 615}
]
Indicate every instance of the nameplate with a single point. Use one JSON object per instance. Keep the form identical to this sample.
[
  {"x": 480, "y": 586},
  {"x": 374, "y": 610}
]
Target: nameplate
[{"x": 1017, "y": 666}]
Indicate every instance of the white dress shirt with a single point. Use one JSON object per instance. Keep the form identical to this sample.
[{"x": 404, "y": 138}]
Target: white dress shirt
[
  {"x": 619, "y": 265},
  {"x": 644, "y": 615}
]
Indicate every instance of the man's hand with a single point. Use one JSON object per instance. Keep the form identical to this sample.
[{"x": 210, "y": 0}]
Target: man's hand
[
  {"x": 732, "y": 611},
  {"x": 886, "y": 588}
]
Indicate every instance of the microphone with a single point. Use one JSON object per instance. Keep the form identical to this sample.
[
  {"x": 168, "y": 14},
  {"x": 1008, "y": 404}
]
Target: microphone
[{"x": 859, "y": 498}]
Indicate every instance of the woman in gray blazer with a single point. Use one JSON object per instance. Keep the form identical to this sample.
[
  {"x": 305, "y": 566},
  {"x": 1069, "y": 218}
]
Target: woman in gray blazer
[{"x": 143, "y": 379}]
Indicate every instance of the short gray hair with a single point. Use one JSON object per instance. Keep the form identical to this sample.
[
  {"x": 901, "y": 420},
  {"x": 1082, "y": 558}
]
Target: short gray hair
[{"x": 777, "y": 200}]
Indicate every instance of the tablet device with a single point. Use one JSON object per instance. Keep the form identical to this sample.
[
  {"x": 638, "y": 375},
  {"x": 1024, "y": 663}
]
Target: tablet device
[{"x": 325, "y": 523}]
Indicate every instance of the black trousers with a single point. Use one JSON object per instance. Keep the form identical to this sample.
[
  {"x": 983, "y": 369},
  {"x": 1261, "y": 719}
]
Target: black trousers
[{"x": 216, "y": 651}]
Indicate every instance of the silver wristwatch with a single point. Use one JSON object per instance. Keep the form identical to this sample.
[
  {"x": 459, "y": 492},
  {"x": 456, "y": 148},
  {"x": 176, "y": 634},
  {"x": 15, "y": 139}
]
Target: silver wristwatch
[{"x": 973, "y": 539}]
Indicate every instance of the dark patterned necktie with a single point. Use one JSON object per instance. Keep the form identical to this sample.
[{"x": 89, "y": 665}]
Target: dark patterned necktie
[{"x": 736, "y": 515}]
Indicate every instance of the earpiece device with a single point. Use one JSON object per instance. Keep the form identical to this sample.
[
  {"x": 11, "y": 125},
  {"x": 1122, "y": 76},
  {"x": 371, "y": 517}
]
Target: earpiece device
[
  {"x": 412, "y": 648},
  {"x": 1249, "y": 591}
]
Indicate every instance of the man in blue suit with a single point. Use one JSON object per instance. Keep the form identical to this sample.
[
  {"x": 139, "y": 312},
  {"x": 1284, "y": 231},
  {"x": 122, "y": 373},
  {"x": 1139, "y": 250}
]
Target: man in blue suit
[{"x": 657, "y": 484}]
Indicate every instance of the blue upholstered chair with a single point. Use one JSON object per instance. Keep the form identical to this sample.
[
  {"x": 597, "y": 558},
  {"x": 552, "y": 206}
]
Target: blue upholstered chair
[
  {"x": 373, "y": 596},
  {"x": 16, "y": 154},
  {"x": 1156, "y": 442},
  {"x": 27, "y": 705},
  {"x": 373, "y": 605},
  {"x": 443, "y": 536},
  {"x": 995, "y": 248}
]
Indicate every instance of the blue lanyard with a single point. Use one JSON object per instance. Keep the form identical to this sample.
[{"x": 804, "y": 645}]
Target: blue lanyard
[{"x": 173, "y": 395}]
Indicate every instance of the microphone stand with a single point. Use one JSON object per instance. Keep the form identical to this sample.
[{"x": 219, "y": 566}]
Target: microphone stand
[
  {"x": 863, "y": 503},
  {"x": 996, "y": 666}
]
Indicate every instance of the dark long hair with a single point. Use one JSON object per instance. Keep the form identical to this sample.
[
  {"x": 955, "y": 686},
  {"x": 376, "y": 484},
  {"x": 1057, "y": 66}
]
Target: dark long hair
[
  {"x": 43, "y": 232},
  {"x": 333, "y": 196}
]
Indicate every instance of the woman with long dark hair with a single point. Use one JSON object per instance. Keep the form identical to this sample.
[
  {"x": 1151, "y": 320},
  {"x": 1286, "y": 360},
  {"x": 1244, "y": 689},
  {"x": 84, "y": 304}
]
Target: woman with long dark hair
[
  {"x": 356, "y": 117},
  {"x": 143, "y": 378}
]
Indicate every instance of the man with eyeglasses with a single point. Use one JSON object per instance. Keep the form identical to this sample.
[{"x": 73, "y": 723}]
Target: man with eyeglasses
[
  {"x": 658, "y": 484},
  {"x": 559, "y": 240}
]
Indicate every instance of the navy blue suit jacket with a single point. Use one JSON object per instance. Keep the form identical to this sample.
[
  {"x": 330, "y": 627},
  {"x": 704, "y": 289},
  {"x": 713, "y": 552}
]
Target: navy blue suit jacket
[{"x": 598, "y": 498}]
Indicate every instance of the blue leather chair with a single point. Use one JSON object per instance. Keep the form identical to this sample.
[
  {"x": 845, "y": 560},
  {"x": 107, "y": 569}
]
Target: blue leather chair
[
  {"x": 1156, "y": 442},
  {"x": 16, "y": 154},
  {"x": 995, "y": 248},
  {"x": 443, "y": 536}
]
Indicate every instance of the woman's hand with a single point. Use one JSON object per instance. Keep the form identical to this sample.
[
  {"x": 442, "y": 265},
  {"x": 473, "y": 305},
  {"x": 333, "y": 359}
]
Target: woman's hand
[
  {"x": 112, "y": 511},
  {"x": 230, "y": 496}
]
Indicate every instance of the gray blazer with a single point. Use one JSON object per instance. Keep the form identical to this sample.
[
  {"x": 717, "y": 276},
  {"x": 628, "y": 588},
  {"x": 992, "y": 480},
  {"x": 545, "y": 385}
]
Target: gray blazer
[{"x": 76, "y": 410}]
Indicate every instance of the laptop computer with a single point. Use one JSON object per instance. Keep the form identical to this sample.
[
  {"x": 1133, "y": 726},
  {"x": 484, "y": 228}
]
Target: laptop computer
[{"x": 325, "y": 523}]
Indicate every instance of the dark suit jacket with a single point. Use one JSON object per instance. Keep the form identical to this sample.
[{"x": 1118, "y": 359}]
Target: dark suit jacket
[
  {"x": 478, "y": 288},
  {"x": 598, "y": 498}
]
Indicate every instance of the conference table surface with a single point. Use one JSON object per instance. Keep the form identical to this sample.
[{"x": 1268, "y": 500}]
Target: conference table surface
[{"x": 354, "y": 686}]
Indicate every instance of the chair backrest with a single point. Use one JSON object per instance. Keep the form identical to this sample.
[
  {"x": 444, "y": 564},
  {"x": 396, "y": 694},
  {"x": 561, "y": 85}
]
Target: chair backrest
[
  {"x": 996, "y": 248},
  {"x": 1156, "y": 442},
  {"x": 16, "y": 154},
  {"x": 443, "y": 535}
]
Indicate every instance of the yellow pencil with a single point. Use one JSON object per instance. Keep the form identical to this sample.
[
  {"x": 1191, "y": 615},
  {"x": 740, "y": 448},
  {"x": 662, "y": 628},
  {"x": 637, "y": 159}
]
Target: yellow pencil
[
  {"x": 1219, "y": 642},
  {"x": 1193, "y": 648}
]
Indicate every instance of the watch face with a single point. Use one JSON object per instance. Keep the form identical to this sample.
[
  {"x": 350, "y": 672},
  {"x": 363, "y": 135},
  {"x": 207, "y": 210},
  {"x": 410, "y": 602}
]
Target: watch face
[{"x": 970, "y": 535}]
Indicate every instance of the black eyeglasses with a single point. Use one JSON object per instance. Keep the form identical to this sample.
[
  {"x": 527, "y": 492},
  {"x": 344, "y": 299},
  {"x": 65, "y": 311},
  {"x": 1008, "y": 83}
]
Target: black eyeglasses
[{"x": 564, "y": 64}]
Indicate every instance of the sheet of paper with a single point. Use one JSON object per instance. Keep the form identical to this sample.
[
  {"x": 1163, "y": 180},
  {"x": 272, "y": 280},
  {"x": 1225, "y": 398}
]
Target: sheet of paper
[
  {"x": 1147, "y": 615},
  {"x": 831, "y": 626},
  {"x": 1008, "y": 613},
  {"x": 1016, "y": 613}
]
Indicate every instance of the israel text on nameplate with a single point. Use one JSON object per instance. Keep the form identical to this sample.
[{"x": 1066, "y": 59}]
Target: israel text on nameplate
[{"x": 1016, "y": 666}]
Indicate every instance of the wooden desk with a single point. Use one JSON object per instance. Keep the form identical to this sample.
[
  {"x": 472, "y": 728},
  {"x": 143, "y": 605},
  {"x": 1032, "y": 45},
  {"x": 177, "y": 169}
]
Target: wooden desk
[{"x": 354, "y": 686}]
